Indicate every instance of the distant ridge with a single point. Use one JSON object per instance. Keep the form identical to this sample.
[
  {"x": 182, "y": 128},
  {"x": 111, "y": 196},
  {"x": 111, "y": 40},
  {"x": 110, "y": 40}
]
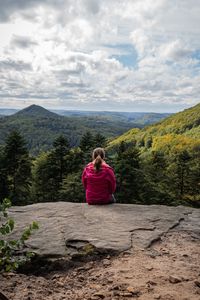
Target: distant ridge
[
  {"x": 40, "y": 127},
  {"x": 37, "y": 111},
  {"x": 178, "y": 131},
  {"x": 8, "y": 111}
]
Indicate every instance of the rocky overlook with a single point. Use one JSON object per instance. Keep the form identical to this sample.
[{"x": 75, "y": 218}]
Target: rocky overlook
[
  {"x": 67, "y": 227},
  {"x": 155, "y": 252}
]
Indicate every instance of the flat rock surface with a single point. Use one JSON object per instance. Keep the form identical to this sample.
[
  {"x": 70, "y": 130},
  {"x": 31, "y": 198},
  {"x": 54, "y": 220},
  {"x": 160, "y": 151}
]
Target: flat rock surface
[
  {"x": 64, "y": 228},
  {"x": 158, "y": 253}
]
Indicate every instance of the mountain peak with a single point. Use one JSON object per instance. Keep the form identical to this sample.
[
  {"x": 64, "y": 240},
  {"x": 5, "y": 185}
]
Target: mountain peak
[{"x": 36, "y": 110}]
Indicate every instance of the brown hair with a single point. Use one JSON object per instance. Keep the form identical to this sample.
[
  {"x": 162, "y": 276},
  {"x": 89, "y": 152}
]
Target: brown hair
[{"x": 98, "y": 156}]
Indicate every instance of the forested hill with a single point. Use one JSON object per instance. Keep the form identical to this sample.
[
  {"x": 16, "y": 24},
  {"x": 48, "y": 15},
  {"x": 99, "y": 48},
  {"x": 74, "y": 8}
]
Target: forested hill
[
  {"x": 179, "y": 131},
  {"x": 40, "y": 127},
  {"x": 159, "y": 164},
  {"x": 35, "y": 110}
]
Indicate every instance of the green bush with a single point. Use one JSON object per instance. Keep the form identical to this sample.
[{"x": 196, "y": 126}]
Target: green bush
[{"x": 12, "y": 253}]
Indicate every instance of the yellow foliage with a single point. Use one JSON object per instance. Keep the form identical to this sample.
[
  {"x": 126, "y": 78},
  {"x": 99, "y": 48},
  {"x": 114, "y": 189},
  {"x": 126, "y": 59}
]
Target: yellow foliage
[
  {"x": 126, "y": 137},
  {"x": 174, "y": 143},
  {"x": 176, "y": 133}
]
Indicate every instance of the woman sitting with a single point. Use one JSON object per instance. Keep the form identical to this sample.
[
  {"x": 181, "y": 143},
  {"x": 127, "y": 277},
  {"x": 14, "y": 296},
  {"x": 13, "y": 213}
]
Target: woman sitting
[{"x": 99, "y": 180}]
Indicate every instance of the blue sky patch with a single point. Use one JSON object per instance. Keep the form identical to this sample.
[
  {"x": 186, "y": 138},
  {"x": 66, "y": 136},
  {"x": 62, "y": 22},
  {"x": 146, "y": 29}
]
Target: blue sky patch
[{"x": 127, "y": 54}]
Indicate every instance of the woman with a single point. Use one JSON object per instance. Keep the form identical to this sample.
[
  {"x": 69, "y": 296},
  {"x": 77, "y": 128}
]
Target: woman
[{"x": 99, "y": 180}]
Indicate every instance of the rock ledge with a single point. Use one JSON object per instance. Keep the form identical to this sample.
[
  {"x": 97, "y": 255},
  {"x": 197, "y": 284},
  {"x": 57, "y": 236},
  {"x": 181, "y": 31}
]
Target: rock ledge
[{"x": 67, "y": 228}]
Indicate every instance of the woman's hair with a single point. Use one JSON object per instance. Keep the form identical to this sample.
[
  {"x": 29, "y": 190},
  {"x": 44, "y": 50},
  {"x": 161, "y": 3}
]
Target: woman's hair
[{"x": 98, "y": 156}]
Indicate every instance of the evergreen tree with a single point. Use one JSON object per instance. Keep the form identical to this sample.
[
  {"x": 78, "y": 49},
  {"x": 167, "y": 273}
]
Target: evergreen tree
[
  {"x": 194, "y": 180},
  {"x": 50, "y": 169},
  {"x": 3, "y": 176},
  {"x": 87, "y": 145},
  {"x": 18, "y": 168},
  {"x": 87, "y": 142},
  {"x": 126, "y": 168},
  {"x": 99, "y": 141},
  {"x": 75, "y": 160},
  {"x": 121, "y": 149},
  {"x": 72, "y": 189},
  {"x": 46, "y": 175},
  {"x": 154, "y": 165},
  {"x": 61, "y": 149},
  {"x": 179, "y": 171}
]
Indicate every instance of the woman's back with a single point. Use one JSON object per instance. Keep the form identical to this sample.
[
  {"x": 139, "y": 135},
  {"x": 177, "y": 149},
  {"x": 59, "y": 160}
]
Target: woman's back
[{"x": 99, "y": 183}]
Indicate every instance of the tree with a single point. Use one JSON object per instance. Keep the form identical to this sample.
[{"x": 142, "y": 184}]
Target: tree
[
  {"x": 194, "y": 180},
  {"x": 154, "y": 165},
  {"x": 3, "y": 177},
  {"x": 121, "y": 149},
  {"x": 87, "y": 146},
  {"x": 99, "y": 140},
  {"x": 61, "y": 149},
  {"x": 126, "y": 167},
  {"x": 50, "y": 169},
  {"x": 179, "y": 171},
  {"x": 75, "y": 160},
  {"x": 72, "y": 189},
  {"x": 18, "y": 168},
  {"x": 87, "y": 142},
  {"x": 46, "y": 178}
]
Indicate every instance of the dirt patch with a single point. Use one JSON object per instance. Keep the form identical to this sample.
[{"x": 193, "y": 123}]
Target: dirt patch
[{"x": 169, "y": 270}]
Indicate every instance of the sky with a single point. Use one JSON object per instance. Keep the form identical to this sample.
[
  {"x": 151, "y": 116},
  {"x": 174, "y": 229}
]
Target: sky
[{"x": 118, "y": 55}]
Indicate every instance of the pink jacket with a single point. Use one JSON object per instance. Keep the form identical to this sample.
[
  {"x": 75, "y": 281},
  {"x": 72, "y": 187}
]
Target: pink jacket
[{"x": 99, "y": 185}]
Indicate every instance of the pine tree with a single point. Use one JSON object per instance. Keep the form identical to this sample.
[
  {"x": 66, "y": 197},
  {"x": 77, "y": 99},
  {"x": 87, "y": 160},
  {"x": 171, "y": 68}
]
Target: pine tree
[
  {"x": 154, "y": 165},
  {"x": 99, "y": 140},
  {"x": 18, "y": 168},
  {"x": 156, "y": 169},
  {"x": 3, "y": 177},
  {"x": 72, "y": 189},
  {"x": 121, "y": 149},
  {"x": 87, "y": 145},
  {"x": 45, "y": 178},
  {"x": 87, "y": 142},
  {"x": 75, "y": 160},
  {"x": 127, "y": 170},
  {"x": 61, "y": 149},
  {"x": 194, "y": 180},
  {"x": 179, "y": 170},
  {"x": 50, "y": 169}
]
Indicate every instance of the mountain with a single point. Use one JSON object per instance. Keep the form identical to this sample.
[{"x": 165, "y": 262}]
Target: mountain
[
  {"x": 179, "y": 131},
  {"x": 35, "y": 110},
  {"x": 40, "y": 126},
  {"x": 138, "y": 118}
]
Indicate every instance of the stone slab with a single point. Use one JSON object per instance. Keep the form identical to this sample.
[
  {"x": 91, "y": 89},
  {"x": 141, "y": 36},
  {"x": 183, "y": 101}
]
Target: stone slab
[{"x": 116, "y": 227}]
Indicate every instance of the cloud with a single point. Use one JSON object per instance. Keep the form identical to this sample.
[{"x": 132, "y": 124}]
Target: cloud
[
  {"x": 100, "y": 54},
  {"x": 175, "y": 50},
  {"x": 22, "y": 41},
  {"x": 140, "y": 41},
  {"x": 8, "y": 8},
  {"x": 14, "y": 65}
]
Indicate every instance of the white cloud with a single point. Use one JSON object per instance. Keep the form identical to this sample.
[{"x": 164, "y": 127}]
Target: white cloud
[
  {"x": 140, "y": 54},
  {"x": 140, "y": 41},
  {"x": 175, "y": 50}
]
